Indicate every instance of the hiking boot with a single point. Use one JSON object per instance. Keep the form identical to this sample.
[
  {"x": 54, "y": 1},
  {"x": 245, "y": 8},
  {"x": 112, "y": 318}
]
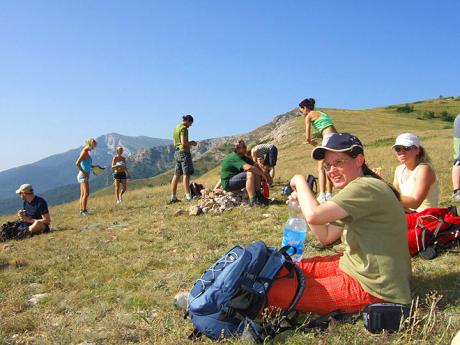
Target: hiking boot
[
  {"x": 255, "y": 202},
  {"x": 84, "y": 213},
  {"x": 173, "y": 201},
  {"x": 263, "y": 200},
  {"x": 456, "y": 196}
]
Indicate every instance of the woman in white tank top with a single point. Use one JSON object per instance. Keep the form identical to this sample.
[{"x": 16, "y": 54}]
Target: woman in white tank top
[{"x": 415, "y": 177}]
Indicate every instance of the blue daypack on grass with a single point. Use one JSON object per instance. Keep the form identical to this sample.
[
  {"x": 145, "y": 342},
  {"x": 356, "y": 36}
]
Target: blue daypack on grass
[{"x": 233, "y": 291}]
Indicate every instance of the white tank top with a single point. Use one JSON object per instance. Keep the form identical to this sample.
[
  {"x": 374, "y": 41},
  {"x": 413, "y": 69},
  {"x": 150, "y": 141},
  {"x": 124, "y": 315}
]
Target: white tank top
[{"x": 407, "y": 187}]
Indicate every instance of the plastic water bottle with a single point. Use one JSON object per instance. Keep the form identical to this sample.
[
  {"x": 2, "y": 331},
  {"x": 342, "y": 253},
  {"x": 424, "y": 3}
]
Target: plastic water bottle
[{"x": 295, "y": 231}]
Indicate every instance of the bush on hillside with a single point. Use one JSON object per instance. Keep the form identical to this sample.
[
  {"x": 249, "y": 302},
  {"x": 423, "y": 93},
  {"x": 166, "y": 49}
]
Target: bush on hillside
[
  {"x": 445, "y": 116},
  {"x": 405, "y": 109},
  {"x": 427, "y": 115}
]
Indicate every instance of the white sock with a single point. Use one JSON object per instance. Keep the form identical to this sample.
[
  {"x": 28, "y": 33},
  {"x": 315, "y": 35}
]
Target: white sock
[
  {"x": 173, "y": 197},
  {"x": 188, "y": 196},
  {"x": 327, "y": 196}
]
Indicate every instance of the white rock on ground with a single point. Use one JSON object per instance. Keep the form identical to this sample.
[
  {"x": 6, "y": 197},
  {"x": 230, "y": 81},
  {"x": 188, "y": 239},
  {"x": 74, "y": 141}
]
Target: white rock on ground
[{"x": 37, "y": 298}]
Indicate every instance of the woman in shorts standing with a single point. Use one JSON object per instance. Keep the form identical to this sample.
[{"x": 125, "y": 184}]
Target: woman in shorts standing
[
  {"x": 84, "y": 165},
  {"x": 120, "y": 174}
]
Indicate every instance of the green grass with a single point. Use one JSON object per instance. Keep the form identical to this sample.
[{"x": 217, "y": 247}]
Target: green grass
[{"x": 111, "y": 277}]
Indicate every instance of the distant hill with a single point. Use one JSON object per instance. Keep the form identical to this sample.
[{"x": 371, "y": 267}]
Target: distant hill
[{"x": 59, "y": 170}]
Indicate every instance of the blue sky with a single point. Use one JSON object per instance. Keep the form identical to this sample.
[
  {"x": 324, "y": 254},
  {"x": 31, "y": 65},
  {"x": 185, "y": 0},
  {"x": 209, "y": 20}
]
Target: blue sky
[{"x": 70, "y": 70}]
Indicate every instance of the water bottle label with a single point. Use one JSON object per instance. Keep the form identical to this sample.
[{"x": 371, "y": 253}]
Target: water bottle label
[{"x": 295, "y": 239}]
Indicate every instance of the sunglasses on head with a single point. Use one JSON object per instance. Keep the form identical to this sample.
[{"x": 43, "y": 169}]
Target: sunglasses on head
[{"x": 402, "y": 148}]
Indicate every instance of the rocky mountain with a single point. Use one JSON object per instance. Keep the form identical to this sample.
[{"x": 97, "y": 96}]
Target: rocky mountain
[
  {"x": 59, "y": 170},
  {"x": 148, "y": 157}
]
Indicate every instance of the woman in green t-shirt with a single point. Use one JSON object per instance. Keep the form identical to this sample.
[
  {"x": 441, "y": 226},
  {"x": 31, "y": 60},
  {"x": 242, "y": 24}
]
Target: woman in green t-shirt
[{"x": 367, "y": 216}]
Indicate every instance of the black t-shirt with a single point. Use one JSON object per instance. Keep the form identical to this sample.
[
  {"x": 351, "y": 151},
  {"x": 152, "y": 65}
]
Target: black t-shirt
[{"x": 36, "y": 208}]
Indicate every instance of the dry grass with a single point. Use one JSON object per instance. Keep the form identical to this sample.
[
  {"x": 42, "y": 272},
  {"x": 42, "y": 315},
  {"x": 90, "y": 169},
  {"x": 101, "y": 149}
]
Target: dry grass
[{"x": 111, "y": 277}]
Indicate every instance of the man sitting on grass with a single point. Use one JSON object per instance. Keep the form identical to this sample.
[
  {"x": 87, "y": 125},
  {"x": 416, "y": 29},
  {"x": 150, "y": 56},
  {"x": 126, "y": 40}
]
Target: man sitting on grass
[
  {"x": 34, "y": 216},
  {"x": 239, "y": 172}
]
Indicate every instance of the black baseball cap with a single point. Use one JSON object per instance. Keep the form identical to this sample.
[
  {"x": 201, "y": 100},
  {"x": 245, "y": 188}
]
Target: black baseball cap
[
  {"x": 338, "y": 142},
  {"x": 187, "y": 118}
]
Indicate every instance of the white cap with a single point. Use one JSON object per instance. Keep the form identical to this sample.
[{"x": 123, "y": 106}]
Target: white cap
[
  {"x": 25, "y": 188},
  {"x": 407, "y": 139}
]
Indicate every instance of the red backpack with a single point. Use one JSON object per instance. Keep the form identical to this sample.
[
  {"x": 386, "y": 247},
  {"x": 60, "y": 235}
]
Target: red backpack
[{"x": 431, "y": 230}]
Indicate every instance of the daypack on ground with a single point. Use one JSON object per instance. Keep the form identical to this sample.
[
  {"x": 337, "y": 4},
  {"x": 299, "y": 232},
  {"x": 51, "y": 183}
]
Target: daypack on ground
[
  {"x": 232, "y": 292},
  {"x": 12, "y": 230},
  {"x": 431, "y": 230},
  {"x": 311, "y": 182},
  {"x": 195, "y": 189}
]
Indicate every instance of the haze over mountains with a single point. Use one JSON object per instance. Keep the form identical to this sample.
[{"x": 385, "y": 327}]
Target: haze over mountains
[{"x": 59, "y": 170}]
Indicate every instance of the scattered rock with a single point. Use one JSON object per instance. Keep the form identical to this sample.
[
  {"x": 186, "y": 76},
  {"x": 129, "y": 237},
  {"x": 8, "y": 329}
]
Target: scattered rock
[
  {"x": 195, "y": 210},
  {"x": 181, "y": 300},
  {"x": 9, "y": 247},
  {"x": 179, "y": 212},
  {"x": 37, "y": 298},
  {"x": 219, "y": 201}
]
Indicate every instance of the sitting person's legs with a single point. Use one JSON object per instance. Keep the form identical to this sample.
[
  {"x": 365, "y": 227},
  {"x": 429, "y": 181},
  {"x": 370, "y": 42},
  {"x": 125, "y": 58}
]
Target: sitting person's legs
[
  {"x": 38, "y": 227},
  {"x": 328, "y": 288},
  {"x": 237, "y": 182}
]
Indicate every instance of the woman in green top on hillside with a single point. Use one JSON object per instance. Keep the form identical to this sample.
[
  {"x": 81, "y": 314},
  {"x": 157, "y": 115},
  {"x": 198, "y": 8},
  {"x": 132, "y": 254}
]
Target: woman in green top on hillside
[
  {"x": 366, "y": 214},
  {"x": 323, "y": 125}
]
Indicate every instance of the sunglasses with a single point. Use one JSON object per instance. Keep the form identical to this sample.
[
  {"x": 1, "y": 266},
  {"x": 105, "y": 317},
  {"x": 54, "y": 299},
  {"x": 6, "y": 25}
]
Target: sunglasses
[
  {"x": 338, "y": 163},
  {"x": 402, "y": 148}
]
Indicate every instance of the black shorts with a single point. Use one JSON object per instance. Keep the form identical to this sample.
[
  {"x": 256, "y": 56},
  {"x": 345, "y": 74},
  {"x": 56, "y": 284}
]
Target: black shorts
[
  {"x": 184, "y": 164},
  {"x": 271, "y": 157},
  {"x": 119, "y": 176},
  {"x": 45, "y": 230},
  {"x": 237, "y": 182}
]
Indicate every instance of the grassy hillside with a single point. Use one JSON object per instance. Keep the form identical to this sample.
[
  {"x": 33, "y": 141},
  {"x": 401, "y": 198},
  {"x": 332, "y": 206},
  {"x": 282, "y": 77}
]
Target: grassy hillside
[{"x": 110, "y": 278}]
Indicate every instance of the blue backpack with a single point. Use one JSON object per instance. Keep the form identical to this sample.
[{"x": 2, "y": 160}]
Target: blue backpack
[{"x": 233, "y": 291}]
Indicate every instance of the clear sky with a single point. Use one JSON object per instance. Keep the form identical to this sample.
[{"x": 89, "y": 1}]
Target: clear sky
[{"x": 74, "y": 69}]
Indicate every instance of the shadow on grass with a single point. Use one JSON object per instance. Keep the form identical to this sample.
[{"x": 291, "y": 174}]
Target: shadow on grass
[{"x": 447, "y": 285}]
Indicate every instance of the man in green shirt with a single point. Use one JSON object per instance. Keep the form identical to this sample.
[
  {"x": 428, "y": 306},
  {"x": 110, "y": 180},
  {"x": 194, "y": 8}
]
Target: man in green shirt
[
  {"x": 238, "y": 171},
  {"x": 183, "y": 157}
]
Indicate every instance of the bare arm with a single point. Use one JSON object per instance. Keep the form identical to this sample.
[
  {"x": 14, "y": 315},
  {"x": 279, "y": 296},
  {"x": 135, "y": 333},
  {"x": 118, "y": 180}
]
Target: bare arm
[
  {"x": 318, "y": 216},
  {"x": 185, "y": 142},
  {"x": 313, "y": 115},
  {"x": 256, "y": 170},
  {"x": 46, "y": 219},
  {"x": 395, "y": 179},
  {"x": 424, "y": 179},
  {"x": 308, "y": 128},
  {"x": 80, "y": 158},
  {"x": 254, "y": 154},
  {"x": 113, "y": 163}
]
